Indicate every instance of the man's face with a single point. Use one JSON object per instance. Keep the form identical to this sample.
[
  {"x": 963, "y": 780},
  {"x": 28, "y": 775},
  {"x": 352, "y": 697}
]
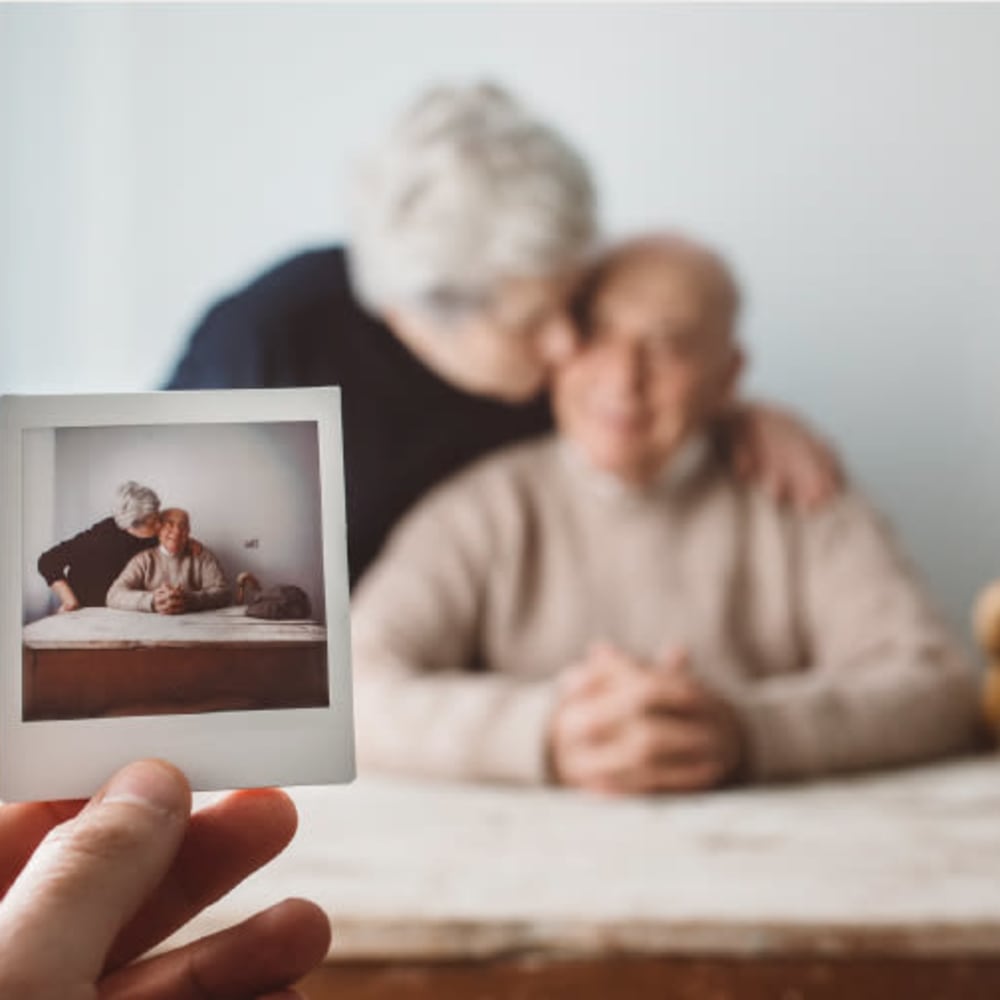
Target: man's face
[
  {"x": 174, "y": 531},
  {"x": 656, "y": 362}
]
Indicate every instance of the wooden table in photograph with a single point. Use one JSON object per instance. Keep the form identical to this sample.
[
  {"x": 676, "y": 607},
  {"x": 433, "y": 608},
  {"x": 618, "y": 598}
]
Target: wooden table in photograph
[
  {"x": 885, "y": 886},
  {"x": 100, "y": 662}
]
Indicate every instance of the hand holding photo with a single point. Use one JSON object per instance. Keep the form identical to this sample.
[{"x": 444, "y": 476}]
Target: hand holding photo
[{"x": 175, "y": 586}]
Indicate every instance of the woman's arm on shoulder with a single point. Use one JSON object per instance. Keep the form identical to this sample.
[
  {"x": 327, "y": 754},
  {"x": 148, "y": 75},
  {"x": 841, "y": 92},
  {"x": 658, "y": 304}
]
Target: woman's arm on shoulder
[{"x": 778, "y": 451}]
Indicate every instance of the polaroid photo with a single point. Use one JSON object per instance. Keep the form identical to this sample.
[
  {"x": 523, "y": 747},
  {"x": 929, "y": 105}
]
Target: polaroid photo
[{"x": 174, "y": 584}]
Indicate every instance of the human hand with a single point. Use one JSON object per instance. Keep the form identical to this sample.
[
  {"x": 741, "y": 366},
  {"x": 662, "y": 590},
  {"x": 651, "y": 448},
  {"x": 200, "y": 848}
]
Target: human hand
[
  {"x": 776, "y": 450},
  {"x": 88, "y": 887},
  {"x": 68, "y": 600},
  {"x": 622, "y": 726},
  {"x": 169, "y": 600}
]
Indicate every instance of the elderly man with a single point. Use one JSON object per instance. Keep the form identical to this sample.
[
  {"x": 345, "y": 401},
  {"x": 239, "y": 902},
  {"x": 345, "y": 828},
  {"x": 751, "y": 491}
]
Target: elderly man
[
  {"x": 172, "y": 578},
  {"x": 470, "y": 221},
  {"x": 612, "y": 609}
]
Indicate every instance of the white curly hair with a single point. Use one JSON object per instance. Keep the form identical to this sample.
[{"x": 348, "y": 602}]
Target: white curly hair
[
  {"x": 466, "y": 190},
  {"x": 133, "y": 504}
]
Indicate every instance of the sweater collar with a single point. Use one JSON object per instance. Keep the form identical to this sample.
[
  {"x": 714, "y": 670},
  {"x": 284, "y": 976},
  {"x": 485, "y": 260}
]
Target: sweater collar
[{"x": 678, "y": 472}]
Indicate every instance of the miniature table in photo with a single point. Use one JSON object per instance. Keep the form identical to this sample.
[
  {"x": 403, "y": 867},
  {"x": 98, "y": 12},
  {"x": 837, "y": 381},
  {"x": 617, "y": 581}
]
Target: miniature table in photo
[
  {"x": 885, "y": 886},
  {"x": 103, "y": 662}
]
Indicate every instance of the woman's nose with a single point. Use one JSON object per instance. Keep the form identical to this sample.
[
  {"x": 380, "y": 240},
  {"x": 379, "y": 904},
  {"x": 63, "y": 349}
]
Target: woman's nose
[{"x": 557, "y": 339}]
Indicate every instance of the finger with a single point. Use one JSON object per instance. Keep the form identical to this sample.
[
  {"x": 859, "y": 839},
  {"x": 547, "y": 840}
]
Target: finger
[
  {"x": 675, "y": 778},
  {"x": 89, "y": 875},
  {"x": 676, "y": 691},
  {"x": 675, "y": 658},
  {"x": 603, "y": 665},
  {"x": 647, "y": 746},
  {"x": 582, "y": 682},
  {"x": 683, "y": 766},
  {"x": 743, "y": 464},
  {"x": 601, "y": 711},
  {"x": 225, "y": 842},
  {"x": 593, "y": 720},
  {"x": 577, "y": 680},
  {"x": 826, "y": 484},
  {"x": 23, "y": 825},
  {"x": 261, "y": 956},
  {"x": 620, "y": 707}
]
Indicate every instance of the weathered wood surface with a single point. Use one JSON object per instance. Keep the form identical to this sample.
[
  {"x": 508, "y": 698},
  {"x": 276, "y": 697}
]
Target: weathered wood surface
[
  {"x": 107, "y": 628},
  {"x": 102, "y": 662},
  {"x": 715, "y": 978},
  {"x": 903, "y": 864},
  {"x": 92, "y": 682}
]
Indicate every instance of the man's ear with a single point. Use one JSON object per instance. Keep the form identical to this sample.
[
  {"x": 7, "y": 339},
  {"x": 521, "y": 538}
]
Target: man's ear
[
  {"x": 730, "y": 372},
  {"x": 736, "y": 364}
]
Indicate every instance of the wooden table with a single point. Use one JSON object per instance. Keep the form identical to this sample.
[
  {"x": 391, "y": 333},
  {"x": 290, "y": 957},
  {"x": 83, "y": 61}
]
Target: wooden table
[
  {"x": 883, "y": 886},
  {"x": 100, "y": 662}
]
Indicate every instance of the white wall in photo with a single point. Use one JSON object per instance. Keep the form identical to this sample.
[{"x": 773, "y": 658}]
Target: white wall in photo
[
  {"x": 846, "y": 156},
  {"x": 252, "y": 490}
]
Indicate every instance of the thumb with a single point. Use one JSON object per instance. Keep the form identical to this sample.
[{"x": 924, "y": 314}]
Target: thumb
[{"x": 89, "y": 876}]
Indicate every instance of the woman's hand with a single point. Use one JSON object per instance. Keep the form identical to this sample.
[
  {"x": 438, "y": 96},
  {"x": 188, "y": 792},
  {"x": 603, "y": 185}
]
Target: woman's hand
[
  {"x": 67, "y": 599},
  {"x": 777, "y": 451},
  {"x": 88, "y": 888}
]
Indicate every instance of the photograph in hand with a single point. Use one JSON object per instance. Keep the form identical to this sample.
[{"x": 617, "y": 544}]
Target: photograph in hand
[{"x": 175, "y": 568}]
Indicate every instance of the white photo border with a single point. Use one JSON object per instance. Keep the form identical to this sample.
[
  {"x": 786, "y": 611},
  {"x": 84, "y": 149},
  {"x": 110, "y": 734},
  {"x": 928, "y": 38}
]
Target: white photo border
[{"x": 217, "y": 750}]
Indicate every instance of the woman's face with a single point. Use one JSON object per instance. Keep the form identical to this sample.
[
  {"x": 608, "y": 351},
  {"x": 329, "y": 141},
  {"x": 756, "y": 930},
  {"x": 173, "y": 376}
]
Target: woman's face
[
  {"x": 508, "y": 349},
  {"x": 148, "y": 528},
  {"x": 656, "y": 362}
]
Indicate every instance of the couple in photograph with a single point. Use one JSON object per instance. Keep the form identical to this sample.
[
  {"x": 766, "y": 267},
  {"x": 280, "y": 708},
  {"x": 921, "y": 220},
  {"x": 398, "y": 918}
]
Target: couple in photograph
[{"x": 141, "y": 558}]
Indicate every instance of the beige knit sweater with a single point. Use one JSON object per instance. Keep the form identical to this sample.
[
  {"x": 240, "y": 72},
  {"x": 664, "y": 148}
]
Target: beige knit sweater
[
  {"x": 814, "y": 626},
  {"x": 200, "y": 575}
]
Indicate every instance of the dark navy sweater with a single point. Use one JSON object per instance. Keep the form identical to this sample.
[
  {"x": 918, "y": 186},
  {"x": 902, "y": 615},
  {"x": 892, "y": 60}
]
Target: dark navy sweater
[
  {"x": 91, "y": 561},
  {"x": 405, "y": 429}
]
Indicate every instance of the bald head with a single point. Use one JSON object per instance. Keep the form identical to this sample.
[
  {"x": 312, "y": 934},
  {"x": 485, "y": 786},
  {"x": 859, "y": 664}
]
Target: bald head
[
  {"x": 175, "y": 529},
  {"x": 678, "y": 267},
  {"x": 658, "y": 358}
]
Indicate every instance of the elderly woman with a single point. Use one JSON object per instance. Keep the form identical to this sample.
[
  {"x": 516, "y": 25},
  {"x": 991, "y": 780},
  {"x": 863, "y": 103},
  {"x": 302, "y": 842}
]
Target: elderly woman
[
  {"x": 613, "y": 609},
  {"x": 471, "y": 220},
  {"x": 80, "y": 569}
]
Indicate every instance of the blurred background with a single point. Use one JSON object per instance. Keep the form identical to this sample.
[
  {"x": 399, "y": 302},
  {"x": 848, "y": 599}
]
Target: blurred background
[{"x": 847, "y": 158}]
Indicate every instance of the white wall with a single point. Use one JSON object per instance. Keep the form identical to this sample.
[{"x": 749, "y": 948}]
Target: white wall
[
  {"x": 238, "y": 482},
  {"x": 847, "y": 157}
]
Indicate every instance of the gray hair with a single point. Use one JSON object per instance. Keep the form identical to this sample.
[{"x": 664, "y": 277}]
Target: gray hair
[
  {"x": 133, "y": 504},
  {"x": 466, "y": 190}
]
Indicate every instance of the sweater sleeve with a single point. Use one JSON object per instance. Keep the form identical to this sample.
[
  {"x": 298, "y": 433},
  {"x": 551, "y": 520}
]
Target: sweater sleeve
[
  {"x": 129, "y": 592},
  {"x": 885, "y": 685},
  {"x": 419, "y": 706},
  {"x": 53, "y": 562},
  {"x": 214, "y": 591}
]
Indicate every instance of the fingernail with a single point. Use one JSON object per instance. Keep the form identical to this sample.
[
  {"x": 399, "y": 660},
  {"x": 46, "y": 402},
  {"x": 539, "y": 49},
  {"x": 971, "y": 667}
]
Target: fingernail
[{"x": 150, "y": 784}]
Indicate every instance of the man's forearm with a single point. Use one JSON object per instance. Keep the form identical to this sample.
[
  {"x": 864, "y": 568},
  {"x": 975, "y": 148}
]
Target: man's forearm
[
  {"x": 453, "y": 725},
  {"x": 203, "y": 600},
  {"x": 865, "y": 715},
  {"x": 127, "y": 599}
]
